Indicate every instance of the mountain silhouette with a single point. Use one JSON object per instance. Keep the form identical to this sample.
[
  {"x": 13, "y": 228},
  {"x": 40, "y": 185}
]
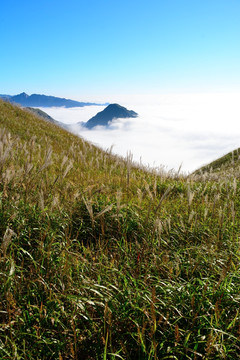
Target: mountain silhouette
[
  {"x": 37, "y": 100},
  {"x": 112, "y": 111}
]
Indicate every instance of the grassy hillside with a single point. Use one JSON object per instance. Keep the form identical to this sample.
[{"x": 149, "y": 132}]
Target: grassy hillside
[
  {"x": 227, "y": 165},
  {"x": 100, "y": 259}
]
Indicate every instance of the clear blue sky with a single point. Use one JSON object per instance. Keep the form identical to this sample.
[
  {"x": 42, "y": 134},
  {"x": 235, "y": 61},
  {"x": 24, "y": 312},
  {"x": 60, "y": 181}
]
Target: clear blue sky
[{"x": 76, "y": 47}]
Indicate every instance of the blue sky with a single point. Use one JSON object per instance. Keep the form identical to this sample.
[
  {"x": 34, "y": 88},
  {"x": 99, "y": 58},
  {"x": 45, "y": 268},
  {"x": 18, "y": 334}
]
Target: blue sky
[{"x": 77, "y": 48}]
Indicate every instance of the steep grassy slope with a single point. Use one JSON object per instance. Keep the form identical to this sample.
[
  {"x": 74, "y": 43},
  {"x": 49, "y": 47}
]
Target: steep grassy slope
[
  {"x": 100, "y": 259},
  {"x": 227, "y": 165}
]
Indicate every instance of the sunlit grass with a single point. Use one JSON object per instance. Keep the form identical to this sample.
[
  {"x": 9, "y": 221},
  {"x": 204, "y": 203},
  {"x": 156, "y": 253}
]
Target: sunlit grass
[{"x": 101, "y": 259}]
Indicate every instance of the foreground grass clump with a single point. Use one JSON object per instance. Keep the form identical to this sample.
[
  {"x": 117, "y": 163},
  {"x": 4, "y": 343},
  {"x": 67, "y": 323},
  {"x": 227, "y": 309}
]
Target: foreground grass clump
[{"x": 101, "y": 259}]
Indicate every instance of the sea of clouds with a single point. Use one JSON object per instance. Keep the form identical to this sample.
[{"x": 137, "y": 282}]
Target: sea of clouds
[{"x": 188, "y": 130}]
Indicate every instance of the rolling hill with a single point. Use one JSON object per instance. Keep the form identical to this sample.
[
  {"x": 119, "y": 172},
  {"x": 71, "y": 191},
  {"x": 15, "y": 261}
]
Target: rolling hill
[
  {"x": 226, "y": 165},
  {"x": 103, "y": 259}
]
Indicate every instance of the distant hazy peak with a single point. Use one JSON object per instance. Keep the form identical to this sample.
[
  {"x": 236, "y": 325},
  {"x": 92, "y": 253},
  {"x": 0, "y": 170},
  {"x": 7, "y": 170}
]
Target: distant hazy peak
[{"x": 37, "y": 100}]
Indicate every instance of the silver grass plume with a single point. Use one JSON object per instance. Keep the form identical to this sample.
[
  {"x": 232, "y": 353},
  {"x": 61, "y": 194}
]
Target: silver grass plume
[{"x": 7, "y": 238}]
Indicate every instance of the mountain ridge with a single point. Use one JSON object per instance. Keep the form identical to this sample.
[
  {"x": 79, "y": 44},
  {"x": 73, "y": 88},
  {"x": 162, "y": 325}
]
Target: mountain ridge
[
  {"x": 40, "y": 100},
  {"x": 42, "y": 114}
]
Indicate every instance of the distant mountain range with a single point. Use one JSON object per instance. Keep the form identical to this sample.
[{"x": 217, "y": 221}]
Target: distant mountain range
[
  {"x": 112, "y": 111},
  {"x": 37, "y": 100},
  {"x": 102, "y": 118}
]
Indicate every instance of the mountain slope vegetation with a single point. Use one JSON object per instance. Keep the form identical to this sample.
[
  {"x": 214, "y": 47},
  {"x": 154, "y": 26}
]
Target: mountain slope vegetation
[
  {"x": 103, "y": 259},
  {"x": 44, "y": 115},
  {"x": 228, "y": 164}
]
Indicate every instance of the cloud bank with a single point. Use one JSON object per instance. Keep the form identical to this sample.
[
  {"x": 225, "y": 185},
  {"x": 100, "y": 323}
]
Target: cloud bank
[{"x": 171, "y": 130}]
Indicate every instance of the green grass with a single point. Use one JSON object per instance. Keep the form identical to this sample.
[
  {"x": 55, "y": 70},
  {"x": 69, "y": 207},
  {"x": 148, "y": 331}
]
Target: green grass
[
  {"x": 227, "y": 165},
  {"x": 102, "y": 259}
]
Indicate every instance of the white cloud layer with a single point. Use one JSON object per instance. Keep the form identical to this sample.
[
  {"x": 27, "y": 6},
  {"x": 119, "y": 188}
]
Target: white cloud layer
[{"x": 171, "y": 130}]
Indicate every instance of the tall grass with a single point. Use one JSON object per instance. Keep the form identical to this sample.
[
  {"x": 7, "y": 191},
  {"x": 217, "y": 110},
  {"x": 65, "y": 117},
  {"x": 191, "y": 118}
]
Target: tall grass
[{"x": 102, "y": 259}]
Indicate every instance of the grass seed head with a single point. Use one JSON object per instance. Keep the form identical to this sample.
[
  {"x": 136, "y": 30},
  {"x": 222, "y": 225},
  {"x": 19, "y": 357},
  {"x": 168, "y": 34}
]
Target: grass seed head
[{"x": 7, "y": 238}]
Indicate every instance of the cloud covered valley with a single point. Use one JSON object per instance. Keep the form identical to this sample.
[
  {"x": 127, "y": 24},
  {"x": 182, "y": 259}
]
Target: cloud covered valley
[{"x": 187, "y": 130}]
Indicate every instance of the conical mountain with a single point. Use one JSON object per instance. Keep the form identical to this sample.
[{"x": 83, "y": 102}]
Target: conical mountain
[{"x": 112, "y": 111}]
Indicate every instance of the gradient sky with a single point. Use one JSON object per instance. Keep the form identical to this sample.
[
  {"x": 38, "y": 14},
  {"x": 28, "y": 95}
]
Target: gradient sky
[{"x": 79, "y": 48}]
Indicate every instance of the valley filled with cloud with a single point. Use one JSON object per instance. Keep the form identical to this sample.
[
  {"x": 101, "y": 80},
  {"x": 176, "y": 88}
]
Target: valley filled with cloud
[{"x": 173, "y": 130}]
